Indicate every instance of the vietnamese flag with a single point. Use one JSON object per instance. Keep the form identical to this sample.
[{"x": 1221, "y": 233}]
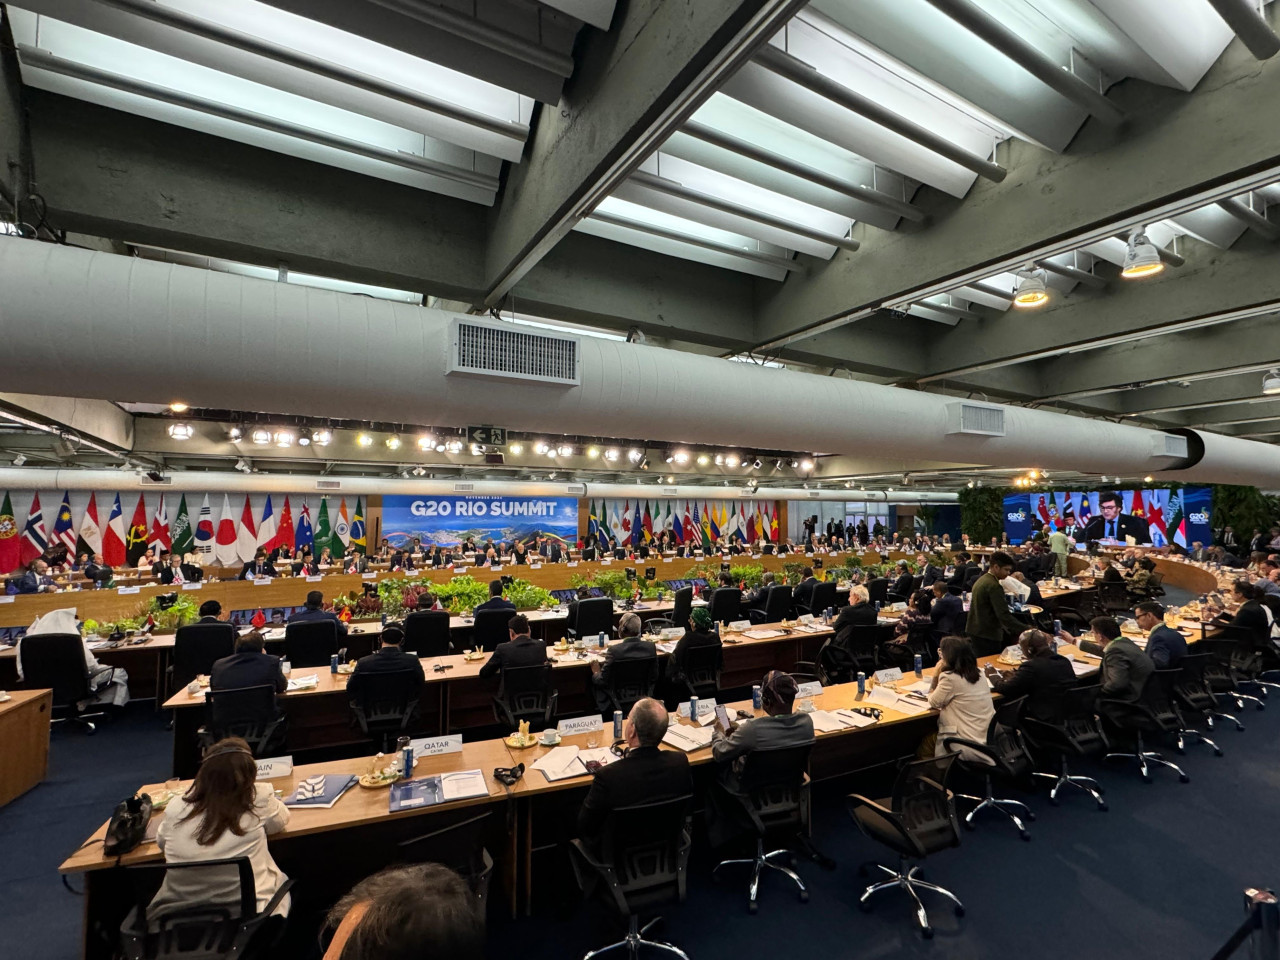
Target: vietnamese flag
[
  {"x": 113, "y": 552},
  {"x": 285, "y": 537},
  {"x": 10, "y": 542},
  {"x": 135, "y": 543}
]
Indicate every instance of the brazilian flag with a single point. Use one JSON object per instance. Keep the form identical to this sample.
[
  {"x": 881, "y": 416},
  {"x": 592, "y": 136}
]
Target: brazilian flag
[{"x": 357, "y": 527}]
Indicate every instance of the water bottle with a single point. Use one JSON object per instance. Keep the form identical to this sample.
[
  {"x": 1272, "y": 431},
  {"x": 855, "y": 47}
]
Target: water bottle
[
  {"x": 919, "y": 665},
  {"x": 406, "y": 757},
  {"x": 757, "y": 701},
  {"x": 617, "y": 725},
  {"x": 600, "y": 640},
  {"x": 693, "y": 708},
  {"x": 877, "y": 606},
  {"x": 862, "y": 683},
  {"x": 333, "y": 663}
]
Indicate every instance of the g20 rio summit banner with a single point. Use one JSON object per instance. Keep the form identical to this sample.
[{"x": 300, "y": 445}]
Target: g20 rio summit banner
[
  {"x": 449, "y": 520},
  {"x": 1158, "y": 516}
]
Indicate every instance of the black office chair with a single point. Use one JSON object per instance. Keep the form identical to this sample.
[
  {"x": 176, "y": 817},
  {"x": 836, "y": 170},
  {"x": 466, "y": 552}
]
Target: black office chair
[
  {"x": 640, "y": 864},
  {"x": 426, "y": 634},
  {"x": 1247, "y": 657},
  {"x": 310, "y": 643},
  {"x": 878, "y": 589},
  {"x": 629, "y": 681},
  {"x": 919, "y": 642},
  {"x": 198, "y": 931},
  {"x": 1155, "y": 585},
  {"x": 1153, "y": 714},
  {"x": 594, "y": 616},
  {"x": 725, "y": 605},
  {"x": 1077, "y": 610},
  {"x": 1192, "y": 692},
  {"x": 525, "y": 693},
  {"x": 833, "y": 665},
  {"x": 1113, "y": 597},
  {"x": 195, "y": 649},
  {"x": 700, "y": 671},
  {"x": 681, "y": 607},
  {"x": 1220, "y": 671},
  {"x": 1076, "y": 735},
  {"x": 863, "y": 646},
  {"x": 919, "y": 819},
  {"x": 490, "y": 629},
  {"x": 775, "y": 798},
  {"x": 386, "y": 705},
  {"x": 250, "y": 713},
  {"x": 823, "y": 597},
  {"x": 460, "y": 847},
  {"x": 777, "y": 605},
  {"x": 56, "y": 661},
  {"x": 1009, "y": 761}
]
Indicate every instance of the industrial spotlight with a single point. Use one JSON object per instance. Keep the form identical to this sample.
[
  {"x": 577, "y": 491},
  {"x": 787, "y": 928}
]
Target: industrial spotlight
[
  {"x": 1271, "y": 382},
  {"x": 261, "y": 436},
  {"x": 181, "y": 431},
  {"x": 321, "y": 436},
  {"x": 419, "y": 471},
  {"x": 635, "y": 455},
  {"x": 1030, "y": 290},
  {"x": 757, "y": 463},
  {"x": 612, "y": 454},
  {"x": 453, "y": 446},
  {"x": 393, "y": 442},
  {"x": 426, "y": 442},
  {"x": 1141, "y": 258},
  {"x": 235, "y": 434},
  {"x": 565, "y": 450}
]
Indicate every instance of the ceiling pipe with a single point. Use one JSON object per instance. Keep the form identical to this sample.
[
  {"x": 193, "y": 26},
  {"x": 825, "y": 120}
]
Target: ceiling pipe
[
  {"x": 1072, "y": 273},
  {"x": 145, "y": 331},
  {"x": 1255, "y": 221},
  {"x": 213, "y": 481},
  {"x": 874, "y": 198},
  {"x": 673, "y": 188},
  {"x": 1248, "y": 24},
  {"x": 1013, "y": 46},
  {"x": 34, "y": 57},
  {"x": 776, "y": 60}
]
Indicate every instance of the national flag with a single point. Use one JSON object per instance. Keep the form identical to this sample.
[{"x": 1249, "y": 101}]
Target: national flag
[
  {"x": 637, "y": 526},
  {"x": 113, "y": 540},
  {"x": 135, "y": 541},
  {"x": 224, "y": 541},
  {"x": 713, "y": 525},
  {"x": 324, "y": 536},
  {"x": 704, "y": 525},
  {"x": 593, "y": 524},
  {"x": 773, "y": 524},
  {"x": 258, "y": 619},
  {"x": 626, "y": 520},
  {"x": 1086, "y": 513},
  {"x": 342, "y": 528},
  {"x": 648, "y": 523},
  {"x": 690, "y": 530},
  {"x": 1177, "y": 523},
  {"x": 728, "y": 525},
  {"x": 303, "y": 537},
  {"x": 246, "y": 533},
  {"x": 677, "y": 528},
  {"x": 10, "y": 540},
  {"x": 1068, "y": 511},
  {"x": 752, "y": 533},
  {"x": 1043, "y": 510},
  {"x": 285, "y": 537},
  {"x": 1054, "y": 520},
  {"x": 204, "y": 537},
  {"x": 34, "y": 538},
  {"x": 667, "y": 523},
  {"x": 357, "y": 526},
  {"x": 1155, "y": 518},
  {"x": 90, "y": 539},
  {"x": 1139, "y": 509},
  {"x": 63, "y": 529},
  {"x": 183, "y": 539},
  {"x": 268, "y": 528},
  {"x": 160, "y": 538}
]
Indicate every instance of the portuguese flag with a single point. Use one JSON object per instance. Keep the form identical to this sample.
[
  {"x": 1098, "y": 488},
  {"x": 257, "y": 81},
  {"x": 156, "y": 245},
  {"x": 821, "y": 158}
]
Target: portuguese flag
[{"x": 9, "y": 539}]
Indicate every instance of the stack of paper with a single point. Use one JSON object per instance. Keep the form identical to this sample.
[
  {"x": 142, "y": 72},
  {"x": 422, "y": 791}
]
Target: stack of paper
[
  {"x": 824, "y": 722},
  {"x": 560, "y": 764},
  {"x": 855, "y": 719},
  {"x": 309, "y": 682},
  {"x": 688, "y": 738},
  {"x": 1083, "y": 667},
  {"x": 463, "y": 784},
  {"x": 321, "y": 791},
  {"x": 763, "y": 634},
  {"x": 887, "y": 698}
]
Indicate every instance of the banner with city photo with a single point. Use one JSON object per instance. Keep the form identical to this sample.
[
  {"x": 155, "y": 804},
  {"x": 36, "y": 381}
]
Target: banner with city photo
[{"x": 449, "y": 520}]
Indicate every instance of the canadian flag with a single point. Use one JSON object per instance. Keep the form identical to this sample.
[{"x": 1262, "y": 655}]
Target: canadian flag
[
  {"x": 160, "y": 539},
  {"x": 224, "y": 549},
  {"x": 247, "y": 534}
]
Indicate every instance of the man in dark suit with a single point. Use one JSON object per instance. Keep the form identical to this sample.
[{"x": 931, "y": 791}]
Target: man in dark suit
[
  {"x": 520, "y": 651},
  {"x": 964, "y": 567},
  {"x": 1125, "y": 668},
  {"x": 175, "y": 571},
  {"x": 36, "y": 579},
  {"x": 1109, "y": 572},
  {"x": 247, "y": 667},
  {"x": 496, "y": 600},
  {"x": 645, "y": 775},
  {"x": 1165, "y": 646},
  {"x": 161, "y": 563},
  {"x": 946, "y": 608},
  {"x": 929, "y": 571},
  {"x": 388, "y": 658},
  {"x": 1250, "y": 618},
  {"x": 96, "y": 571},
  {"x": 803, "y": 595},
  {"x": 258, "y": 567},
  {"x": 210, "y": 612},
  {"x": 756, "y": 599},
  {"x": 1229, "y": 540},
  {"x": 1111, "y": 524},
  {"x": 902, "y": 585},
  {"x": 1044, "y": 677},
  {"x": 313, "y": 610},
  {"x": 549, "y": 550},
  {"x": 632, "y": 647}
]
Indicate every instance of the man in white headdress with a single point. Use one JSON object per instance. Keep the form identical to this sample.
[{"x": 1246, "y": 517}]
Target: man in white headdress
[{"x": 107, "y": 685}]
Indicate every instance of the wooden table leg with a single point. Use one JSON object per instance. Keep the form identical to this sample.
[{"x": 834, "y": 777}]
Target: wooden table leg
[{"x": 526, "y": 856}]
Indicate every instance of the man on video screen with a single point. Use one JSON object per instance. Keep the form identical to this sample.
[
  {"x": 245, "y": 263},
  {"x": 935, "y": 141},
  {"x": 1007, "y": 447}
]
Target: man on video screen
[{"x": 1112, "y": 524}]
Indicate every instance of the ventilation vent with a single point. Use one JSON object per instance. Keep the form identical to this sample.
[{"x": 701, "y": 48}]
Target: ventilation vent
[
  {"x": 464, "y": 488},
  {"x": 1169, "y": 445},
  {"x": 814, "y": 494},
  {"x": 512, "y": 354},
  {"x": 576, "y": 489},
  {"x": 670, "y": 492},
  {"x": 975, "y": 418},
  {"x": 328, "y": 484}
]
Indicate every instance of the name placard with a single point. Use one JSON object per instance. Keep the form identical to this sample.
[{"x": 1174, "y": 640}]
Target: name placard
[
  {"x": 672, "y": 633},
  {"x": 434, "y": 746},
  {"x": 535, "y": 566},
  {"x": 811, "y": 689},
  {"x": 806, "y": 618},
  {"x": 7, "y": 598},
  {"x": 126, "y": 590},
  {"x": 574, "y": 563},
  {"x": 271, "y": 768},
  {"x": 888, "y": 676},
  {"x": 580, "y": 725},
  {"x": 606, "y": 563},
  {"x": 668, "y": 559},
  {"x": 496, "y": 567},
  {"x": 192, "y": 586},
  {"x": 314, "y": 579},
  {"x": 369, "y": 576},
  {"x": 262, "y": 581},
  {"x": 704, "y": 707}
]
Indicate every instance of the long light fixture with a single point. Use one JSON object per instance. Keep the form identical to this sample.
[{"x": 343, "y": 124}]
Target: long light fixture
[
  {"x": 1271, "y": 382},
  {"x": 1030, "y": 290},
  {"x": 179, "y": 407},
  {"x": 1141, "y": 258},
  {"x": 181, "y": 431},
  {"x": 540, "y": 447}
]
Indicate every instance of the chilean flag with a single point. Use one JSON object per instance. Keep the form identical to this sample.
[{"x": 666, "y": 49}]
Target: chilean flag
[
  {"x": 224, "y": 549},
  {"x": 247, "y": 534},
  {"x": 113, "y": 551},
  {"x": 34, "y": 537},
  {"x": 204, "y": 532},
  {"x": 268, "y": 532}
]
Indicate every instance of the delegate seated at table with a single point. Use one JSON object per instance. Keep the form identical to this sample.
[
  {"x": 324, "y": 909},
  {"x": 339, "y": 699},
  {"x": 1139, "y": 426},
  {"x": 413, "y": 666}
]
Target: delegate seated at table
[
  {"x": 314, "y": 610},
  {"x": 388, "y": 658},
  {"x": 632, "y": 647},
  {"x": 249, "y": 666},
  {"x": 520, "y": 651},
  {"x": 496, "y": 600},
  {"x": 108, "y": 686}
]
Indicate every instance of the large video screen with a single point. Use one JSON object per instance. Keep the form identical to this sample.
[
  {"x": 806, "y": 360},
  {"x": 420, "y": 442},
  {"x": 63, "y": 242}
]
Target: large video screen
[
  {"x": 1156, "y": 517},
  {"x": 447, "y": 521}
]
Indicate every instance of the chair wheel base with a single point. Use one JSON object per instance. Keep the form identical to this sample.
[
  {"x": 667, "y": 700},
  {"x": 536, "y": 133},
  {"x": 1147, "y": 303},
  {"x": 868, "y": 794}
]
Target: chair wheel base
[
  {"x": 959, "y": 911},
  {"x": 753, "y": 906},
  {"x": 1183, "y": 778},
  {"x": 926, "y": 932},
  {"x": 1103, "y": 808},
  {"x": 804, "y": 896},
  {"x": 1217, "y": 752}
]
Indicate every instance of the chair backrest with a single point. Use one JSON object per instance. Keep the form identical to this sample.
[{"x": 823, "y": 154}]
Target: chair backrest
[
  {"x": 490, "y": 628},
  {"x": 647, "y": 847},
  {"x": 247, "y": 712},
  {"x": 1113, "y": 596},
  {"x": 726, "y": 605},
  {"x": 878, "y": 589},
  {"x": 388, "y": 696},
  {"x": 310, "y": 643},
  {"x": 776, "y": 783},
  {"x": 426, "y": 633},
  {"x": 629, "y": 681},
  {"x": 1158, "y": 694},
  {"x": 1004, "y": 738},
  {"x": 196, "y": 647},
  {"x": 56, "y": 661},
  {"x": 701, "y": 669},
  {"x": 459, "y": 846},
  {"x": 526, "y": 689},
  {"x": 198, "y": 930},
  {"x": 777, "y": 603},
  {"x": 682, "y": 607},
  {"x": 1079, "y": 721},
  {"x": 824, "y": 595},
  {"x": 924, "y": 804},
  {"x": 594, "y": 616}
]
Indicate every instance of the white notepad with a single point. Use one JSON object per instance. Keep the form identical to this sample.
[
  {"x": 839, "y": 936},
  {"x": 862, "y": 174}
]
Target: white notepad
[{"x": 687, "y": 738}]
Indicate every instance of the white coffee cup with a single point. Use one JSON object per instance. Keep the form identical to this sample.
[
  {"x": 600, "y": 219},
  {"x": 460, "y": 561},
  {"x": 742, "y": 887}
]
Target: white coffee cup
[
  {"x": 548, "y": 736},
  {"x": 286, "y": 667},
  {"x": 193, "y": 688}
]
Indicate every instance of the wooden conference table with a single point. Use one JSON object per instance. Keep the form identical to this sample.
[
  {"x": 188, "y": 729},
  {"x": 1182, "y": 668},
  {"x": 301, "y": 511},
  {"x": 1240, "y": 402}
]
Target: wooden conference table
[
  {"x": 24, "y": 741},
  {"x": 456, "y": 698}
]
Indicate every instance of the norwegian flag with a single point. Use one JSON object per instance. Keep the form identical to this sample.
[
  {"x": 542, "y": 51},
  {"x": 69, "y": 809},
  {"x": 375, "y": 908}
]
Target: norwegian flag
[{"x": 34, "y": 537}]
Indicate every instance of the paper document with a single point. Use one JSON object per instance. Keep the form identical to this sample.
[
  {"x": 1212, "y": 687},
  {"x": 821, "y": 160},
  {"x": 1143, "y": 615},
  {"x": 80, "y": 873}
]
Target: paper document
[
  {"x": 763, "y": 634},
  {"x": 687, "y": 738},
  {"x": 1083, "y": 668},
  {"x": 903, "y": 704},
  {"x": 825, "y": 722},
  {"x": 599, "y": 754},
  {"x": 920, "y": 686},
  {"x": 560, "y": 764},
  {"x": 321, "y": 791},
  {"x": 856, "y": 719},
  {"x": 463, "y": 784},
  {"x": 309, "y": 682}
]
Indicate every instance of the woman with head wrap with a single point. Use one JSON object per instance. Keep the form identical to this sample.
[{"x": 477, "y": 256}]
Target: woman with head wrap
[{"x": 700, "y": 633}]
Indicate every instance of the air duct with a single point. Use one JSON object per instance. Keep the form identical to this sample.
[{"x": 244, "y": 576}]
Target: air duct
[{"x": 143, "y": 330}]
